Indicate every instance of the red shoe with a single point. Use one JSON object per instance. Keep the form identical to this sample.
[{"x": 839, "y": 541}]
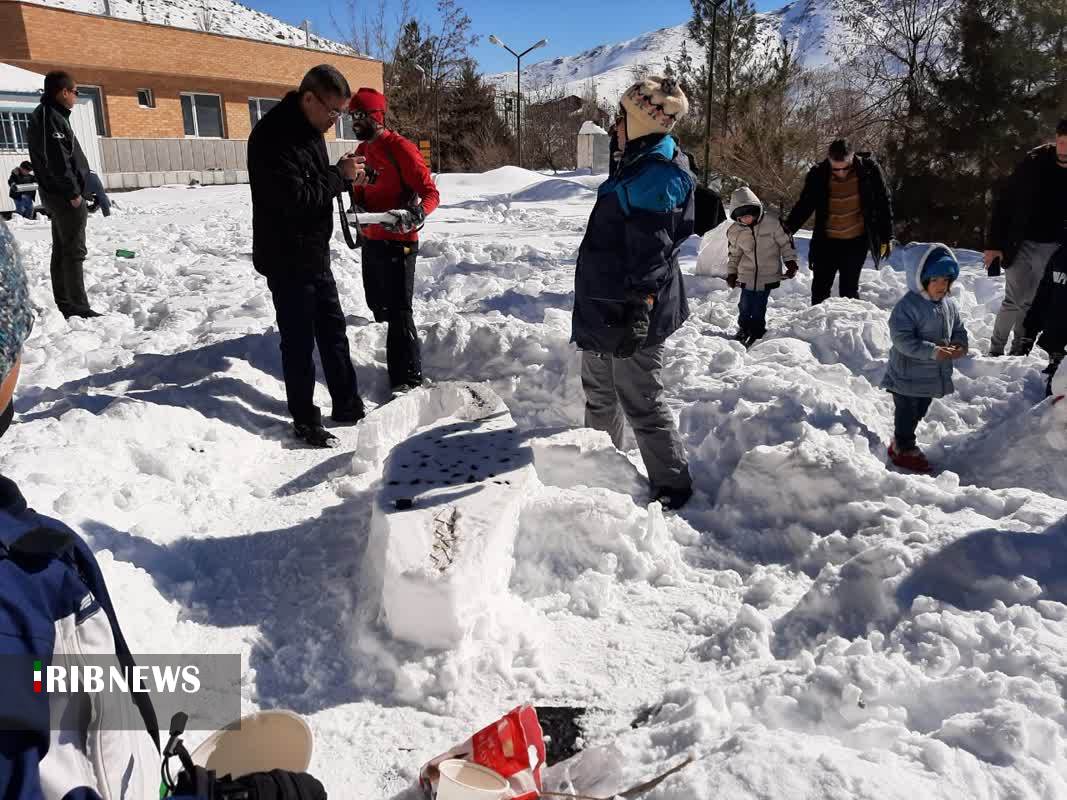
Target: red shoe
[{"x": 911, "y": 460}]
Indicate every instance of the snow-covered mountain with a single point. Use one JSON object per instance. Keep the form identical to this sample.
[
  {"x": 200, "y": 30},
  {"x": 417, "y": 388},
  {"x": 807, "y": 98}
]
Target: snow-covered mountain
[
  {"x": 217, "y": 16},
  {"x": 812, "y": 27}
]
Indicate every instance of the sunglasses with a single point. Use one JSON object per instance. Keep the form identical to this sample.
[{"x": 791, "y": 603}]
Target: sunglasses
[
  {"x": 359, "y": 116},
  {"x": 840, "y": 169}
]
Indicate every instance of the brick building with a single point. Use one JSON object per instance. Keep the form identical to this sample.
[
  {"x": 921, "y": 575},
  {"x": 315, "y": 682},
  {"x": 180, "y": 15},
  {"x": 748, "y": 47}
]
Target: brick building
[{"x": 160, "y": 82}]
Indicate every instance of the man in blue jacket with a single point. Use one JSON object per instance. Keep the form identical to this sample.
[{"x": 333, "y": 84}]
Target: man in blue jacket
[
  {"x": 53, "y": 602},
  {"x": 628, "y": 290}
]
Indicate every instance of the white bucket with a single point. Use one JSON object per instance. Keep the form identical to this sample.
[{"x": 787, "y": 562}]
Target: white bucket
[{"x": 462, "y": 780}]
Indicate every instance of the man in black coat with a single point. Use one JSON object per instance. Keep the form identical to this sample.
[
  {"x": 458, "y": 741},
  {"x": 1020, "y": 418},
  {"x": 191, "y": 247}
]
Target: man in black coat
[
  {"x": 293, "y": 189},
  {"x": 1029, "y": 221},
  {"x": 62, "y": 174},
  {"x": 853, "y": 217},
  {"x": 1047, "y": 317}
]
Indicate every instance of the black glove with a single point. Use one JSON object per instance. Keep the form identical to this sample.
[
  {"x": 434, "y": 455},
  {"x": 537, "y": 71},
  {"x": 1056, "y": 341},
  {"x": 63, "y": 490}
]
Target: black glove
[
  {"x": 278, "y": 784},
  {"x": 731, "y": 281},
  {"x": 407, "y": 219},
  {"x": 791, "y": 269},
  {"x": 993, "y": 270},
  {"x": 638, "y": 315}
]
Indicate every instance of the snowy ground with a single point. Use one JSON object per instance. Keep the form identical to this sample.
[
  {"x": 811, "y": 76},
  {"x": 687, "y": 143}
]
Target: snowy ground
[{"x": 811, "y": 626}]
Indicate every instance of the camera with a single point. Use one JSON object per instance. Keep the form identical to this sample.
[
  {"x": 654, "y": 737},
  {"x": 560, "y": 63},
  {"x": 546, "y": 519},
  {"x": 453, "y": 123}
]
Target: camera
[{"x": 371, "y": 173}]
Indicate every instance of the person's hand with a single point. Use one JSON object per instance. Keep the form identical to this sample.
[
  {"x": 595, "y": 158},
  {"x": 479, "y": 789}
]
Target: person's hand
[
  {"x": 731, "y": 280},
  {"x": 791, "y": 269},
  {"x": 352, "y": 170},
  {"x": 407, "y": 219},
  {"x": 944, "y": 352},
  {"x": 992, "y": 255},
  {"x": 637, "y": 330},
  {"x": 887, "y": 249},
  {"x": 76, "y": 202}
]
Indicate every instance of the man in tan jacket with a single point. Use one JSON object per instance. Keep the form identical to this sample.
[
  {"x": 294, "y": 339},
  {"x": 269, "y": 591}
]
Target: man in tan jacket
[{"x": 758, "y": 244}]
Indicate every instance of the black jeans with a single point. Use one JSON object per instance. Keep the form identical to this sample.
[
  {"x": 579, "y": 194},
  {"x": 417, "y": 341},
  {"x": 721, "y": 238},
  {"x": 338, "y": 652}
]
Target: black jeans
[
  {"x": 753, "y": 308},
  {"x": 908, "y": 412},
  {"x": 844, "y": 256},
  {"x": 389, "y": 284},
  {"x": 68, "y": 254},
  {"x": 309, "y": 314}
]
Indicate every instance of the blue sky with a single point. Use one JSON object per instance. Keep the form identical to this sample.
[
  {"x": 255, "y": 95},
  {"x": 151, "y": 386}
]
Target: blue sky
[{"x": 569, "y": 25}]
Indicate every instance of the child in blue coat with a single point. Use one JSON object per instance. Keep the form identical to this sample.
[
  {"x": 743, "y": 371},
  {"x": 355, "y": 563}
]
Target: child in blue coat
[{"x": 928, "y": 336}]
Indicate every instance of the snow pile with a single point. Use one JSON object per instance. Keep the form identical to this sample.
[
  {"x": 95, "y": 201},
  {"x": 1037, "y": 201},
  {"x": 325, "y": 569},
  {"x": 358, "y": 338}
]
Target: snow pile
[
  {"x": 811, "y": 624},
  {"x": 591, "y": 128},
  {"x": 215, "y": 16}
]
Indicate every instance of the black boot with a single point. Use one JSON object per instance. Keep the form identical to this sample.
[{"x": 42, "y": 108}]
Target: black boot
[{"x": 315, "y": 435}]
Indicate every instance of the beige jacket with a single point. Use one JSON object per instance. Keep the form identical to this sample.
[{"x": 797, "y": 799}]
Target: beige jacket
[{"x": 757, "y": 252}]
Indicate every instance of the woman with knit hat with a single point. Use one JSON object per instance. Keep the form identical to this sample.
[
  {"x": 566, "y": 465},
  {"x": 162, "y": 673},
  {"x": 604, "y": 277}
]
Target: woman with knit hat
[{"x": 628, "y": 290}]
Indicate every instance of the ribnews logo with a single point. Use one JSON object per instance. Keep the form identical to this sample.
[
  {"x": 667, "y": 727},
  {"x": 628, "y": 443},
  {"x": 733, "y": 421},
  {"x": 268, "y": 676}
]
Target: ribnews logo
[
  {"x": 95, "y": 679},
  {"x": 51, "y": 691}
]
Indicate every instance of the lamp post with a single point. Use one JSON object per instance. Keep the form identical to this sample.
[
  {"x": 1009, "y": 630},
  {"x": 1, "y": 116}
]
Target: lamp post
[
  {"x": 518, "y": 91},
  {"x": 711, "y": 88}
]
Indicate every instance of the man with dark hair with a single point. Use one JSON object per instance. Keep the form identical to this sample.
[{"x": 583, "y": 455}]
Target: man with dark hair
[
  {"x": 62, "y": 176},
  {"x": 293, "y": 188},
  {"x": 403, "y": 183},
  {"x": 853, "y": 217},
  {"x": 20, "y": 190},
  {"x": 1028, "y": 224}
]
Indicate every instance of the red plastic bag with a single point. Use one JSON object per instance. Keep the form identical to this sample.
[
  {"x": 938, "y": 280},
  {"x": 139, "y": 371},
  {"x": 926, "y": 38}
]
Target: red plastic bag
[{"x": 507, "y": 747}]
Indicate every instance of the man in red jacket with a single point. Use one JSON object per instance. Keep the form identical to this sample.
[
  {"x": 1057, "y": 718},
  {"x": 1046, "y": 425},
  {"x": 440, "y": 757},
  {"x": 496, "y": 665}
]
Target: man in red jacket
[{"x": 403, "y": 183}]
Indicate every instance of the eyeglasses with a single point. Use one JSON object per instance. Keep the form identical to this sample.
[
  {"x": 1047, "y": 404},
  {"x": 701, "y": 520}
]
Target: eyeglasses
[
  {"x": 334, "y": 113},
  {"x": 359, "y": 116}
]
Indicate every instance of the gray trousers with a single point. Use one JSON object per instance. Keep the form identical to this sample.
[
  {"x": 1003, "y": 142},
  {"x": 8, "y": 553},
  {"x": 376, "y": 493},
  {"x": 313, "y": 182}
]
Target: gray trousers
[
  {"x": 68, "y": 254},
  {"x": 1021, "y": 280},
  {"x": 632, "y": 386}
]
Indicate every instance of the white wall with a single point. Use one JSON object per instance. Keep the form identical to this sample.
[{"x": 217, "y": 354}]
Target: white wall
[{"x": 82, "y": 121}]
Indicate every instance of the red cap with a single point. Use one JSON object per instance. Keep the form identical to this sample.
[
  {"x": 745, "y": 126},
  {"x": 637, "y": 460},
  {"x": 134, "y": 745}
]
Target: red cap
[{"x": 371, "y": 102}]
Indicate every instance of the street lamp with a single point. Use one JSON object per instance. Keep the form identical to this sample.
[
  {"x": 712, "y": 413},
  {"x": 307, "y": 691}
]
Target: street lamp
[
  {"x": 518, "y": 87},
  {"x": 711, "y": 89}
]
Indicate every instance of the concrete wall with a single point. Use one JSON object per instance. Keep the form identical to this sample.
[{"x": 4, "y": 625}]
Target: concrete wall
[
  {"x": 140, "y": 163},
  {"x": 594, "y": 152},
  {"x": 122, "y": 56}
]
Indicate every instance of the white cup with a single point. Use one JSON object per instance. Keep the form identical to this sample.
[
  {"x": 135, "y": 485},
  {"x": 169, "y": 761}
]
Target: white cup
[{"x": 462, "y": 780}]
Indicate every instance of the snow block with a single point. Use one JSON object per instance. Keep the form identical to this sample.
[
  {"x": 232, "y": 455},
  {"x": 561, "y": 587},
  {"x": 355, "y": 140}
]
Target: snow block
[{"x": 443, "y": 529}]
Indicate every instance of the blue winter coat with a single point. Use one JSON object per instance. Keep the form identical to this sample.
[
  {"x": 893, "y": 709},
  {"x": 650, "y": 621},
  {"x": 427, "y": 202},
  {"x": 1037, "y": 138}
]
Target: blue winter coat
[
  {"x": 54, "y": 604},
  {"x": 642, "y": 215},
  {"x": 918, "y": 325}
]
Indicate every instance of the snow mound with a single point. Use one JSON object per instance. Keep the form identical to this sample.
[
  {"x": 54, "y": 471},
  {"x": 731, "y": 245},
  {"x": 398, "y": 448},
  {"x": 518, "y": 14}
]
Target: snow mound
[
  {"x": 590, "y": 127},
  {"x": 553, "y": 189}
]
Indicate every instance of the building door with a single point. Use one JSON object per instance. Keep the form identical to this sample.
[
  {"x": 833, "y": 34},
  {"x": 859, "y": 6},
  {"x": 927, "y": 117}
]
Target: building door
[{"x": 96, "y": 97}]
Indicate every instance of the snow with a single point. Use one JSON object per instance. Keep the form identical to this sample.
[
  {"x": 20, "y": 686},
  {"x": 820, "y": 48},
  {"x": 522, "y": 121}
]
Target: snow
[
  {"x": 225, "y": 17},
  {"x": 591, "y": 128},
  {"x": 19, "y": 80},
  {"x": 812, "y": 624}
]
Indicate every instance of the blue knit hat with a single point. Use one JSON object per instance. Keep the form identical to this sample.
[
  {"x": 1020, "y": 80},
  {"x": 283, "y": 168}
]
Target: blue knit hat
[
  {"x": 940, "y": 264},
  {"x": 16, "y": 312}
]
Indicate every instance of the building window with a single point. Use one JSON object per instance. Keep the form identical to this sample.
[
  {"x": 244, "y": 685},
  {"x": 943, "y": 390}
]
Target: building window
[
  {"x": 13, "y": 125},
  {"x": 96, "y": 97},
  {"x": 259, "y": 106},
  {"x": 343, "y": 128},
  {"x": 202, "y": 115},
  {"x": 145, "y": 98}
]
